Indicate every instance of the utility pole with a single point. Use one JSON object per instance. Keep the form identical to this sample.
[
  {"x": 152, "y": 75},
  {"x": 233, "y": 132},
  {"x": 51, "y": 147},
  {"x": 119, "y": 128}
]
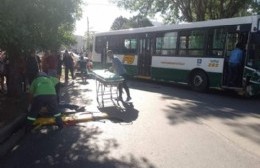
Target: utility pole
[{"x": 88, "y": 34}]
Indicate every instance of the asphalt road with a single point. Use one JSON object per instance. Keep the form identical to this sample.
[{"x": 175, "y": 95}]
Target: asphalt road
[{"x": 167, "y": 127}]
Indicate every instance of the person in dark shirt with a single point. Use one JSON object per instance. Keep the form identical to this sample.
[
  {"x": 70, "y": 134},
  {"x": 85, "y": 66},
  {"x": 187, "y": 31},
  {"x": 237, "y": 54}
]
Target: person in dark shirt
[
  {"x": 82, "y": 63},
  {"x": 32, "y": 66},
  {"x": 59, "y": 65},
  {"x": 69, "y": 65}
]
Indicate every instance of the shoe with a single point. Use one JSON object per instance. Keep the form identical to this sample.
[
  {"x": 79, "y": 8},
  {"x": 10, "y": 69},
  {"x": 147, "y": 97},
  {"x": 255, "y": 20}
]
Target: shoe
[
  {"x": 119, "y": 99},
  {"x": 80, "y": 109},
  {"x": 59, "y": 122},
  {"x": 128, "y": 98}
]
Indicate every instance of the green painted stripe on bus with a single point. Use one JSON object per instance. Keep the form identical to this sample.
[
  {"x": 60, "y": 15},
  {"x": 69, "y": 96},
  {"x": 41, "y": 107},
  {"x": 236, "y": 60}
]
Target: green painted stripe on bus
[
  {"x": 182, "y": 76},
  {"x": 131, "y": 70},
  {"x": 215, "y": 79},
  {"x": 170, "y": 75}
]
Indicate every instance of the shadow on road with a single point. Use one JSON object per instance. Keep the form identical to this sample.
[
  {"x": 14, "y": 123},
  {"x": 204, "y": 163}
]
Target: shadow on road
[
  {"x": 190, "y": 106},
  {"x": 121, "y": 112},
  {"x": 75, "y": 147}
]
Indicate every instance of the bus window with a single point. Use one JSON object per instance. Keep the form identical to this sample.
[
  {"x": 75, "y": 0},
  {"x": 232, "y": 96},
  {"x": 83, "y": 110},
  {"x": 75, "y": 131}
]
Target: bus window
[
  {"x": 166, "y": 44},
  {"x": 216, "y": 42},
  {"x": 192, "y": 43},
  {"x": 116, "y": 44},
  {"x": 233, "y": 39},
  {"x": 122, "y": 45},
  {"x": 130, "y": 46}
]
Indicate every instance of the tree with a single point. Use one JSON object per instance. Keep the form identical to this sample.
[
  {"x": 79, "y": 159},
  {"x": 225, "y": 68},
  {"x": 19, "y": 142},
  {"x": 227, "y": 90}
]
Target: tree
[
  {"x": 35, "y": 24},
  {"x": 133, "y": 22},
  {"x": 255, "y": 7},
  {"x": 139, "y": 21},
  {"x": 120, "y": 23},
  {"x": 187, "y": 10}
]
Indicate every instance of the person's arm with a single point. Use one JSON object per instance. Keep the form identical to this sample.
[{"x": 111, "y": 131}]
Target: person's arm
[{"x": 112, "y": 68}]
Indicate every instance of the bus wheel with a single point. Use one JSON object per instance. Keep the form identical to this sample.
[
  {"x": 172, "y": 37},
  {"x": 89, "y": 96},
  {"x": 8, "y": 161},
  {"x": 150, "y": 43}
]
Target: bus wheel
[{"x": 199, "y": 81}]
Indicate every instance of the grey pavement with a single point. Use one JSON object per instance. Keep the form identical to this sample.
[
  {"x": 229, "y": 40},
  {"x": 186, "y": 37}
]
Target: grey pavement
[
  {"x": 166, "y": 127},
  {"x": 11, "y": 134}
]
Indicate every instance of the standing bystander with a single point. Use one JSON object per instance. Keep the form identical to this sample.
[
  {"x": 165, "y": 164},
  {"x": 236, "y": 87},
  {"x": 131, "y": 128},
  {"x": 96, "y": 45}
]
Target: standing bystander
[
  {"x": 119, "y": 69},
  {"x": 2, "y": 70},
  {"x": 32, "y": 66},
  {"x": 235, "y": 63},
  {"x": 69, "y": 65}
]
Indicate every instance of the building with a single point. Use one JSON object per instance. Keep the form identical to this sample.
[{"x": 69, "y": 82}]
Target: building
[{"x": 80, "y": 45}]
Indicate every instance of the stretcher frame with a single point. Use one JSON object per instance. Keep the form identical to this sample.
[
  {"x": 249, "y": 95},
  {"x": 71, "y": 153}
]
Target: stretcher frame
[{"x": 106, "y": 86}]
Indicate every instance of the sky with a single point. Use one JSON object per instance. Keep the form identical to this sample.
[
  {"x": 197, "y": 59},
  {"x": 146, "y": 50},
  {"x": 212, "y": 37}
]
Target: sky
[{"x": 101, "y": 15}]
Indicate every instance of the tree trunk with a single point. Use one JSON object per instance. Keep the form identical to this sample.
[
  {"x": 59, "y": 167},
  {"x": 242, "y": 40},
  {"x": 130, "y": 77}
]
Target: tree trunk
[{"x": 14, "y": 84}]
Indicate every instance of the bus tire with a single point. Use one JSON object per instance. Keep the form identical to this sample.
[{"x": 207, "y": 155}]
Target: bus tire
[{"x": 199, "y": 81}]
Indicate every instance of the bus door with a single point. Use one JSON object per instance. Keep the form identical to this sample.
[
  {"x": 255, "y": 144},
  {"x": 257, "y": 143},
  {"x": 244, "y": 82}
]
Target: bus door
[
  {"x": 232, "y": 39},
  {"x": 144, "y": 57},
  {"x": 253, "y": 54}
]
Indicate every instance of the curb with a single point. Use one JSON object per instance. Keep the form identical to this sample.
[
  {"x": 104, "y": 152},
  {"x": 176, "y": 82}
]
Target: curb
[{"x": 11, "y": 134}]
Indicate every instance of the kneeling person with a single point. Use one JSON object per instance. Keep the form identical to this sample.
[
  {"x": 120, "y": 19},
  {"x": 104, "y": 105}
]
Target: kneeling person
[{"x": 43, "y": 93}]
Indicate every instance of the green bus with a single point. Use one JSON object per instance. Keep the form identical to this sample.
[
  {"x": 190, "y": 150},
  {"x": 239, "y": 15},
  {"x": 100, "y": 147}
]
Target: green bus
[{"x": 194, "y": 53}]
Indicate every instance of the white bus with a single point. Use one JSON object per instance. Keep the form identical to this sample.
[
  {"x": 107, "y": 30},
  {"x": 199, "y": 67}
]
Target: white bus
[{"x": 192, "y": 53}]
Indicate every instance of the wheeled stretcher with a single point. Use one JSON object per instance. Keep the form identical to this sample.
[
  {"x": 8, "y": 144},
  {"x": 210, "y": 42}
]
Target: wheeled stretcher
[{"x": 106, "y": 86}]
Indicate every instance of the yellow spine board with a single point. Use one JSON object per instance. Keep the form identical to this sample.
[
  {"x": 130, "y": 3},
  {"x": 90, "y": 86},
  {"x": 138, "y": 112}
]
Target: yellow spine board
[{"x": 69, "y": 118}]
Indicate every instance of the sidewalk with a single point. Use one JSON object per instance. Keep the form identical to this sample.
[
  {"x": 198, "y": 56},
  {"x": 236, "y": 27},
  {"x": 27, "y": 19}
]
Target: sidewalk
[
  {"x": 12, "y": 121},
  {"x": 74, "y": 93}
]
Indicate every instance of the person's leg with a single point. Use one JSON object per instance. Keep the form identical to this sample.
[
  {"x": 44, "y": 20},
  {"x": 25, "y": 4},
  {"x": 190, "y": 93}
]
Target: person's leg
[
  {"x": 66, "y": 74},
  {"x": 57, "y": 89},
  {"x": 231, "y": 75},
  {"x": 59, "y": 69},
  {"x": 2, "y": 82},
  {"x": 82, "y": 74},
  {"x": 52, "y": 107},
  {"x": 120, "y": 90},
  {"x": 72, "y": 72},
  {"x": 33, "y": 112},
  {"x": 236, "y": 75},
  {"x": 124, "y": 84},
  {"x": 30, "y": 78},
  {"x": 126, "y": 88}
]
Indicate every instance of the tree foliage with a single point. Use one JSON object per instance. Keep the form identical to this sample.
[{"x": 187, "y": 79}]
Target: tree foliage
[
  {"x": 133, "y": 22},
  {"x": 189, "y": 10},
  {"x": 38, "y": 24},
  {"x": 34, "y": 24},
  {"x": 120, "y": 23}
]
